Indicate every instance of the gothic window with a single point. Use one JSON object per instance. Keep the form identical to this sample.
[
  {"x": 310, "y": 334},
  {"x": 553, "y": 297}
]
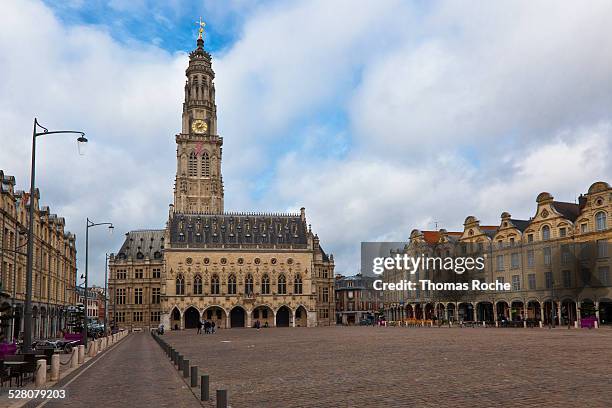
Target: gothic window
[
  {"x": 248, "y": 284},
  {"x": 193, "y": 164},
  {"x": 214, "y": 285},
  {"x": 282, "y": 285},
  {"x": 197, "y": 285},
  {"x": 231, "y": 285},
  {"x": 297, "y": 285},
  {"x": 180, "y": 285},
  {"x": 265, "y": 285},
  {"x": 205, "y": 165}
]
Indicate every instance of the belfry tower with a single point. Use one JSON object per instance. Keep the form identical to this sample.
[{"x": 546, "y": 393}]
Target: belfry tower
[{"x": 198, "y": 186}]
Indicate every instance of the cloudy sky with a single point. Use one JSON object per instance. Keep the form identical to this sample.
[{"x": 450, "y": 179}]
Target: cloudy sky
[{"x": 377, "y": 116}]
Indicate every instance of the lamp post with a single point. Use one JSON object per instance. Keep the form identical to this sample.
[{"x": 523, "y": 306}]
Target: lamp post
[
  {"x": 90, "y": 224},
  {"x": 105, "y": 291},
  {"x": 27, "y": 315}
]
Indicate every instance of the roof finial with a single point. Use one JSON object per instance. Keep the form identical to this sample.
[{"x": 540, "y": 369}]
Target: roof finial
[{"x": 201, "y": 24}]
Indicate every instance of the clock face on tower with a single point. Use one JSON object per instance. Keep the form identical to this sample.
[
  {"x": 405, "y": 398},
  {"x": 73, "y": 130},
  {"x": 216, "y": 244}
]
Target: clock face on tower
[{"x": 199, "y": 126}]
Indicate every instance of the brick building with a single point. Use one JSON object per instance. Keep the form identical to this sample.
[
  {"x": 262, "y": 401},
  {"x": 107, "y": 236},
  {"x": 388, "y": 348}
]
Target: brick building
[{"x": 356, "y": 300}]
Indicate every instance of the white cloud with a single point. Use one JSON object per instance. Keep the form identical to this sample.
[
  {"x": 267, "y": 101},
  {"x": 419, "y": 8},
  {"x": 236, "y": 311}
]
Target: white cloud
[{"x": 448, "y": 109}]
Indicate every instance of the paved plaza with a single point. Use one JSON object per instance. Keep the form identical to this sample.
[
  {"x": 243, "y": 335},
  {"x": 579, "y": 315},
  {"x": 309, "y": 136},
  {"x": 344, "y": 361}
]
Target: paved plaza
[
  {"x": 404, "y": 367},
  {"x": 136, "y": 373}
]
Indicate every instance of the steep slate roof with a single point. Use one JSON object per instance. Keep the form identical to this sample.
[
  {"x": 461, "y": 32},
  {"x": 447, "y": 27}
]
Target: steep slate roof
[
  {"x": 241, "y": 228},
  {"x": 323, "y": 254},
  {"x": 142, "y": 244},
  {"x": 521, "y": 225},
  {"x": 568, "y": 210},
  {"x": 489, "y": 230}
]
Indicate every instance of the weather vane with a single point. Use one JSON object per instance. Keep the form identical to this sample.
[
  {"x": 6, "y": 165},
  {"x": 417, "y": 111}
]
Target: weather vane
[{"x": 201, "y": 29}]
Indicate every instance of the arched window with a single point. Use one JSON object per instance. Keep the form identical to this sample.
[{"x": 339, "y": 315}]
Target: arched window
[
  {"x": 193, "y": 164},
  {"x": 248, "y": 285},
  {"x": 180, "y": 285},
  {"x": 214, "y": 285},
  {"x": 231, "y": 285},
  {"x": 205, "y": 165},
  {"x": 197, "y": 285},
  {"x": 282, "y": 285},
  {"x": 265, "y": 285},
  {"x": 545, "y": 233},
  {"x": 297, "y": 285},
  {"x": 600, "y": 221}
]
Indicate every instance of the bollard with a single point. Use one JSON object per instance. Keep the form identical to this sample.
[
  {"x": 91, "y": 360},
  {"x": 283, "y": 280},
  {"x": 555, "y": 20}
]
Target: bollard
[
  {"x": 55, "y": 366},
  {"x": 179, "y": 361},
  {"x": 185, "y": 368},
  {"x": 41, "y": 372},
  {"x": 204, "y": 388},
  {"x": 91, "y": 352},
  {"x": 81, "y": 354},
  {"x": 194, "y": 376},
  {"x": 541, "y": 325},
  {"x": 74, "y": 360},
  {"x": 221, "y": 398}
]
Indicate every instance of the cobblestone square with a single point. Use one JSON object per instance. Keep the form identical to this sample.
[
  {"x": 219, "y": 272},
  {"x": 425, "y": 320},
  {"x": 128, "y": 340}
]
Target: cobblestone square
[{"x": 404, "y": 367}]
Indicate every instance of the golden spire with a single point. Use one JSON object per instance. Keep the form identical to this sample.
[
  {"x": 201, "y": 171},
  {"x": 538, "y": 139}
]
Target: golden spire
[{"x": 201, "y": 29}]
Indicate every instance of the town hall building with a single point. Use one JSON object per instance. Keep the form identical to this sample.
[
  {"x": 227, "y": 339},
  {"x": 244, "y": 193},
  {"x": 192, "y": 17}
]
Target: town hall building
[{"x": 209, "y": 264}]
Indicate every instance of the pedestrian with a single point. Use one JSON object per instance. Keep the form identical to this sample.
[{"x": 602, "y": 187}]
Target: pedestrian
[
  {"x": 206, "y": 327},
  {"x": 212, "y": 327},
  {"x": 199, "y": 327}
]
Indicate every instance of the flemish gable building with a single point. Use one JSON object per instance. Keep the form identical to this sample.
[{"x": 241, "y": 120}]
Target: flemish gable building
[
  {"x": 557, "y": 263},
  {"x": 232, "y": 268}
]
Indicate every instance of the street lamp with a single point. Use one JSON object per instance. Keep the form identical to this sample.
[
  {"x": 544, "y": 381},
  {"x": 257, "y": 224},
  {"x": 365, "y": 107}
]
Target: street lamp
[
  {"x": 89, "y": 225},
  {"x": 105, "y": 291},
  {"x": 27, "y": 318}
]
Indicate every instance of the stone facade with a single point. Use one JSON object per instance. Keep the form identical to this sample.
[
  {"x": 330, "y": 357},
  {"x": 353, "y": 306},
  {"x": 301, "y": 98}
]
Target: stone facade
[
  {"x": 54, "y": 269},
  {"x": 557, "y": 262},
  {"x": 232, "y": 268}
]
